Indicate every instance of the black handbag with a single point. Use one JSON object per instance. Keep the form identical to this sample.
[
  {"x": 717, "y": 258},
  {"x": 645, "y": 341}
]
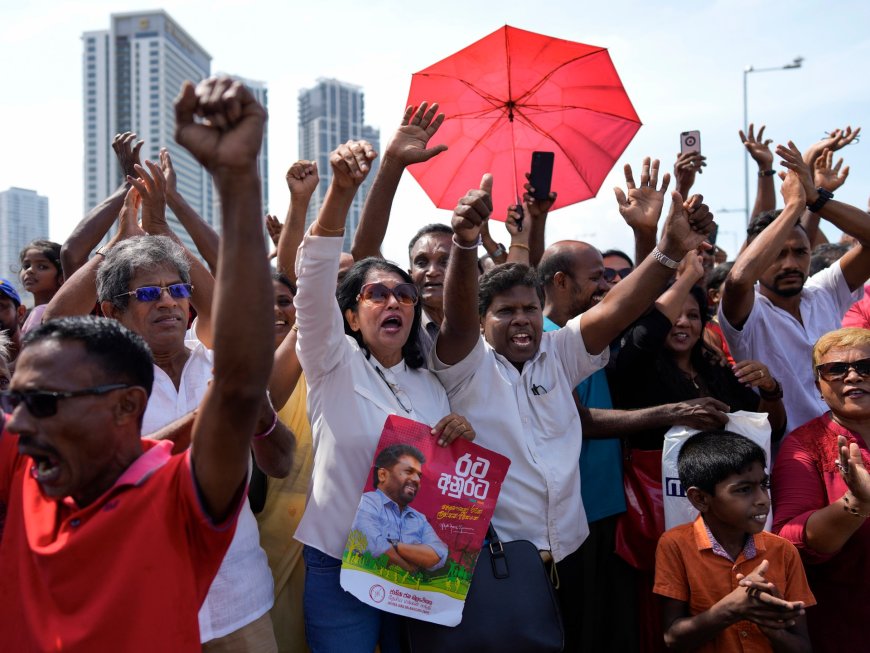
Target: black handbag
[{"x": 511, "y": 606}]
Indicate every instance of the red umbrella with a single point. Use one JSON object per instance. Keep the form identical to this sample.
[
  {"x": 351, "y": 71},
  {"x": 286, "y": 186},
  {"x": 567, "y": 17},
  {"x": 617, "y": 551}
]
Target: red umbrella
[{"x": 514, "y": 92}]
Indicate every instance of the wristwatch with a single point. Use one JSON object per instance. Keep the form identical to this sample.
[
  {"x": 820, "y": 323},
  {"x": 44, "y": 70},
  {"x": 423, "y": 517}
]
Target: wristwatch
[{"x": 821, "y": 200}]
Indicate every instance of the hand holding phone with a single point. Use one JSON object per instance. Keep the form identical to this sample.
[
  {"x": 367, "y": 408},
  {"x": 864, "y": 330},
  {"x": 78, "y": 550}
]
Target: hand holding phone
[{"x": 541, "y": 174}]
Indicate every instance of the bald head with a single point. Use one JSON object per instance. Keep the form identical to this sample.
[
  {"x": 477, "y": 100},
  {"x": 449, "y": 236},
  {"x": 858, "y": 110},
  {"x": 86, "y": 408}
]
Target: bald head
[{"x": 572, "y": 273}]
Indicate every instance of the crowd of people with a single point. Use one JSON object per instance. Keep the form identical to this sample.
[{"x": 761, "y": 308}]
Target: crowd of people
[{"x": 193, "y": 430}]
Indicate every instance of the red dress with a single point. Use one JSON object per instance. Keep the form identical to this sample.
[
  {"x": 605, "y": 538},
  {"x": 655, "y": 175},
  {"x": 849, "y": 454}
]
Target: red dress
[{"x": 805, "y": 479}]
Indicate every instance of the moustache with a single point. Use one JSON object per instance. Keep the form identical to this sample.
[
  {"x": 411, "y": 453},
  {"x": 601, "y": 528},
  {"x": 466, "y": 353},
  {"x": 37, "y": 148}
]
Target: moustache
[{"x": 789, "y": 274}]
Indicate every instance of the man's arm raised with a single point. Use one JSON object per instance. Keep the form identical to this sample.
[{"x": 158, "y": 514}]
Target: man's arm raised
[
  {"x": 687, "y": 227},
  {"x": 226, "y": 143},
  {"x": 460, "y": 329},
  {"x": 738, "y": 297}
]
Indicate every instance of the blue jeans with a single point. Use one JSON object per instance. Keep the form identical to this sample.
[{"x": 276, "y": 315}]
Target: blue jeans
[{"x": 335, "y": 620}]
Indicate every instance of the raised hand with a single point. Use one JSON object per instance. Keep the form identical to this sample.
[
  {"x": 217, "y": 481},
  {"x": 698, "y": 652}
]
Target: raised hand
[
  {"x": 792, "y": 159},
  {"x": 151, "y": 185},
  {"x": 471, "y": 212},
  {"x": 128, "y": 218},
  {"x": 835, "y": 140},
  {"x": 516, "y": 224},
  {"x": 419, "y": 124},
  {"x": 687, "y": 165},
  {"x": 691, "y": 266},
  {"x": 273, "y": 228},
  {"x": 537, "y": 208},
  {"x": 793, "y": 187},
  {"x": 230, "y": 135},
  {"x": 829, "y": 176},
  {"x": 854, "y": 471},
  {"x": 168, "y": 171},
  {"x": 302, "y": 179},
  {"x": 127, "y": 151},
  {"x": 688, "y": 226},
  {"x": 641, "y": 208},
  {"x": 758, "y": 148},
  {"x": 350, "y": 163}
]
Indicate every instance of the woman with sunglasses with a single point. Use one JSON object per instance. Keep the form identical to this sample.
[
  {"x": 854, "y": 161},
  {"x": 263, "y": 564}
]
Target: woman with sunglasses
[
  {"x": 362, "y": 364},
  {"x": 821, "y": 492}
]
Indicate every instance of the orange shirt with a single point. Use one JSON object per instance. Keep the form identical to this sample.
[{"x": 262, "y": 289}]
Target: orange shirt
[
  {"x": 688, "y": 569},
  {"x": 126, "y": 573}
]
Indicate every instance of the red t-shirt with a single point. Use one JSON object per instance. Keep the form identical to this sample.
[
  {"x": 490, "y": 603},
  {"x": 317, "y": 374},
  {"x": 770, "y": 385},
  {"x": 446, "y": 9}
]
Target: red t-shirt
[{"x": 127, "y": 573}]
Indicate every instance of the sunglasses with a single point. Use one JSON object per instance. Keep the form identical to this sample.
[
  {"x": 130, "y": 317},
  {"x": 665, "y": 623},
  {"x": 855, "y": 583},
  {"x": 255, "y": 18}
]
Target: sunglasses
[
  {"x": 43, "y": 403},
  {"x": 153, "y": 293},
  {"x": 610, "y": 273},
  {"x": 377, "y": 293},
  {"x": 838, "y": 370}
]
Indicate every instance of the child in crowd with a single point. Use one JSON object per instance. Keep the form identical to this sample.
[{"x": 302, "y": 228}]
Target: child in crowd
[
  {"x": 722, "y": 578},
  {"x": 41, "y": 275}
]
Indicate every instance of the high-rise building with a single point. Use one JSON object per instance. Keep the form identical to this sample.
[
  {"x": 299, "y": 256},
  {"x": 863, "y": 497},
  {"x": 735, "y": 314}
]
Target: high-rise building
[
  {"x": 23, "y": 217},
  {"x": 132, "y": 74},
  {"x": 331, "y": 113}
]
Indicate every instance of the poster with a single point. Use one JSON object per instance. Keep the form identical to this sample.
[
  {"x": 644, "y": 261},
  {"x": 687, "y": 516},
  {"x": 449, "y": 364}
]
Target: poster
[{"x": 417, "y": 535}]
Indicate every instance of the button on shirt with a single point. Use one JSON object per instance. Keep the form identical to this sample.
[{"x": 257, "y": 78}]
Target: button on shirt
[
  {"x": 381, "y": 520},
  {"x": 530, "y": 417}
]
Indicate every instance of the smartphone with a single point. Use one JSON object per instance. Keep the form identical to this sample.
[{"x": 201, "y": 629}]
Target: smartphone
[
  {"x": 690, "y": 142},
  {"x": 541, "y": 174}
]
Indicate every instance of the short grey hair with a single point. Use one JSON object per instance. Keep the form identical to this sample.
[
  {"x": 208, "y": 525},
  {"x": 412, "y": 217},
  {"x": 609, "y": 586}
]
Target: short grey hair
[
  {"x": 129, "y": 256},
  {"x": 5, "y": 342}
]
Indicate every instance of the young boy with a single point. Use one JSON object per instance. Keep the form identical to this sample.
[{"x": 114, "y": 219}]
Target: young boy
[{"x": 722, "y": 578}]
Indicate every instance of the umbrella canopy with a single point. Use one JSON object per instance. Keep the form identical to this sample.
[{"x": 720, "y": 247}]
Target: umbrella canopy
[{"x": 515, "y": 92}]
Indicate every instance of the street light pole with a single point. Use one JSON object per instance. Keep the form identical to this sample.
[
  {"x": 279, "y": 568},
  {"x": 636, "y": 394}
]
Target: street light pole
[{"x": 796, "y": 63}]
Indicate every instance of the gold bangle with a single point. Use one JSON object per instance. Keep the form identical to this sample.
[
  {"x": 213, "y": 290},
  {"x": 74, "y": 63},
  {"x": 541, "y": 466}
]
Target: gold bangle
[
  {"x": 521, "y": 246},
  {"x": 327, "y": 229}
]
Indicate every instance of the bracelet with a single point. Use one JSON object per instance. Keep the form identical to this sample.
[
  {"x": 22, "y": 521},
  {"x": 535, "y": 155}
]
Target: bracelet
[
  {"x": 477, "y": 243},
  {"x": 766, "y": 173},
  {"x": 852, "y": 510},
  {"x": 521, "y": 246},
  {"x": 771, "y": 395},
  {"x": 821, "y": 200},
  {"x": 664, "y": 260},
  {"x": 295, "y": 327},
  {"x": 498, "y": 251},
  {"x": 269, "y": 430},
  {"x": 327, "y": 229},
  {"x": 100, "y": 252}
]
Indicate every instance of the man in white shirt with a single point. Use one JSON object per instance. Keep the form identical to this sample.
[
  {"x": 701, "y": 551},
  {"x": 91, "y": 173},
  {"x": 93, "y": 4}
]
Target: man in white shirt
[
  {"x": 514, "y": 383},
  {"x": 779, "y": 320}
]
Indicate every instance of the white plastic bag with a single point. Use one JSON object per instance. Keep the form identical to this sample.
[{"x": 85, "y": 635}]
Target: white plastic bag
[{"x": 678, "y": 509}]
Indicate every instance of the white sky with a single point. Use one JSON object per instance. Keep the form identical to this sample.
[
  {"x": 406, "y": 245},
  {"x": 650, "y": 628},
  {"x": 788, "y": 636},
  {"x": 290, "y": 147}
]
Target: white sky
[{"x": 681, "y": 64}]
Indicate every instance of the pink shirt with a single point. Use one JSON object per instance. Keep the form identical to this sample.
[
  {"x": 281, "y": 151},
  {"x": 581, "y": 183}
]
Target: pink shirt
[{"x": 805, "y": 479}]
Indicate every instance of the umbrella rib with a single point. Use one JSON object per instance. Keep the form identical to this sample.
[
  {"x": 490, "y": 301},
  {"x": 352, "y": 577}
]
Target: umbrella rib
[
  {"x": 492, "y": 99},
  {"x": 546, "y": 77},
  {"x": 477, "y": 142},
  {"x": 559, "y": 109},
  {"x": 568, "y": 156}
]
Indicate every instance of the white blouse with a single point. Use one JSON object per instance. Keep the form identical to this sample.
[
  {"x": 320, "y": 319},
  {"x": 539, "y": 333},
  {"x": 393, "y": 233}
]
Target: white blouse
[{"x": 348, "y": 400}]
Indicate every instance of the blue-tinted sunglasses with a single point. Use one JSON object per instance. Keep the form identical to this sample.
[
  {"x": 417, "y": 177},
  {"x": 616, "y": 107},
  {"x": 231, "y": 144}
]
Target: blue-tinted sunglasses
[{"x": 153, "y": 293}]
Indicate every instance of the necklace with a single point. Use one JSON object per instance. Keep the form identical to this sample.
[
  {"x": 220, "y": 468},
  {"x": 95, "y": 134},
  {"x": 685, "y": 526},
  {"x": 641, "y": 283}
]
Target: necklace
[{"x": 393, "y": 388}]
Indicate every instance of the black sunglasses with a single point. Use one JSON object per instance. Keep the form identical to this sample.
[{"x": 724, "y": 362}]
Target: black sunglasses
[
  {"x": 838, "y": 370},
  {"x": 610, "y": 273},
  {"x": 43, "y": 403},
  {"x": 378, "y": 293},
  {"x": 153, "y": 293}
]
